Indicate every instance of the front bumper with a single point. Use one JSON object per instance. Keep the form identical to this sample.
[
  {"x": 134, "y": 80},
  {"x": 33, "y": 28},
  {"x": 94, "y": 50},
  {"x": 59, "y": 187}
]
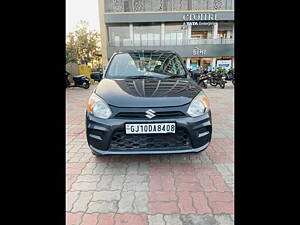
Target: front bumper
[
  {"x": 100, "y": 132},
  {"x": 162, "y": 151}
]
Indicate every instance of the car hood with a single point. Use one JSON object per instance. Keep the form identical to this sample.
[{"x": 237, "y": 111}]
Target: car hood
[{"x": 147, "y": 92}]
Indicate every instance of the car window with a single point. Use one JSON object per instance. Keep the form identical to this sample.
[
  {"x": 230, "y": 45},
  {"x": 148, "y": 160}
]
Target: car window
[{"x": 141, "y": 64}]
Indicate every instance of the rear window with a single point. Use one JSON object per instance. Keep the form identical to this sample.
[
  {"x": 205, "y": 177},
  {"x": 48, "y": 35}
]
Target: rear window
[{"x": 141, "y": 64}]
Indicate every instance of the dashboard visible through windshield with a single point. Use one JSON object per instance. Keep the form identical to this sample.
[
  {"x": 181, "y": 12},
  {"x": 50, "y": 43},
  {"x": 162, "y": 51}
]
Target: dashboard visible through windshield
[{"x": 145, "y": 65}]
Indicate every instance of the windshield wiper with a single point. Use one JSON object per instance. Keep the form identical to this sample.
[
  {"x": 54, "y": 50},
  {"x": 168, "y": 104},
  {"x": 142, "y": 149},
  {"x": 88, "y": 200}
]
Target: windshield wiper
[
  {"x": 140, "y": 77},
  {"x": 176, "y": 76}
]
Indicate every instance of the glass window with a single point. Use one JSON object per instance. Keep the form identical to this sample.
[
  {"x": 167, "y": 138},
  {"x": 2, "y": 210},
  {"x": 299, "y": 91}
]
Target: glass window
[
  {"x": 152, "y": 64},
  {"x": 119, "y": 35},
  {"x": 225, "y": 30},
  {"x": 199, "y": 34},
  {"x": 175, "y": 34},
  {"x": 146, "y": 35},
  {"x": 201, "y": 31}
]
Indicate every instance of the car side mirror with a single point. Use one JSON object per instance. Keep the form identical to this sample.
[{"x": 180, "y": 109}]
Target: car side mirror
[{"x": 97, "y": 76}]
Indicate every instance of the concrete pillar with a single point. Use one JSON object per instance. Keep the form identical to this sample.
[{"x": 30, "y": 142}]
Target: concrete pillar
[
  {"x": 214, "y": 63},
  {"x": 215, "y": 31},
  {"x": 189, "y": 31},
  {"x": 188, "y": 62},
  {"x": 131, "y": 33},
  {"x": 103, "y": 32},
  {"x": 201, "y": 63},
  {"x": 162, "y": 34}
]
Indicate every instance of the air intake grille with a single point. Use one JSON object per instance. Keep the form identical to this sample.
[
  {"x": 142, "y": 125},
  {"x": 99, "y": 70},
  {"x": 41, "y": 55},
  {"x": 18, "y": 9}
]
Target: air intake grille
[{"x": 121, "y": 141}]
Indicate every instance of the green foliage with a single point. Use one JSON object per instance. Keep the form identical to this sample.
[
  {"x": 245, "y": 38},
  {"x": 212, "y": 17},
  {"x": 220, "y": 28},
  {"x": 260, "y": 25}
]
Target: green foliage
[
  {"x": 83, "y": 45},
  {"x": 220, "y": 70},
  {"x": 71, "y": 54}
]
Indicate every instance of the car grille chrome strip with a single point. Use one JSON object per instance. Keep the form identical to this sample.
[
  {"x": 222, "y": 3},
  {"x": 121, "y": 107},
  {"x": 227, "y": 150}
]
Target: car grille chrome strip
[
  {"x": 96, "y": 137},
  {"x": 203, "y": 134},
  {"x": 167, "y": 114},
  {"x": 150, "y": 152}
]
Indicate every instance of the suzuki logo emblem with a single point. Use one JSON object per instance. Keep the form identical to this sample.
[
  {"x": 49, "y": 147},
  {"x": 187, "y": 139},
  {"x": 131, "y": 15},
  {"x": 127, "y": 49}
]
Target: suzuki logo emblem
[{"x": 150, "y": 113}]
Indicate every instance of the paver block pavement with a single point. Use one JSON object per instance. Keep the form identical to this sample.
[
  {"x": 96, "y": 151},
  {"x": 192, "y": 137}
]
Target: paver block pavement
[
  {"x": 194, "y": 219},
  {"x": 183, "y": 189},
  {"x": 156, "y": 219},
  {"x": 81, "y": 204}
]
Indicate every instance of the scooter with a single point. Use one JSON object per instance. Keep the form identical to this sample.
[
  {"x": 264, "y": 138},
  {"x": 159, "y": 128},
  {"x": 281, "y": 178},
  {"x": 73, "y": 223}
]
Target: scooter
[{"x": 79, "y": 81}]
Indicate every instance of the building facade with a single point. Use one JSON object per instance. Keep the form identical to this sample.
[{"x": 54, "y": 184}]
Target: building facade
[{"x": 200, "y": 31}]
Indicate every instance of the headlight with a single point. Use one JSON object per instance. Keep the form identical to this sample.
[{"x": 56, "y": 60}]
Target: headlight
[
  {"x": 98, "y": 107},
  {"x": 199, "y": 105}
]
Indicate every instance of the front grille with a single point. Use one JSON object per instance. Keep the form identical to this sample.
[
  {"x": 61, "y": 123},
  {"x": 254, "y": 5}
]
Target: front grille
[
  {"x": 142, "y": 114},
  {"x": 124, "y": 142}
]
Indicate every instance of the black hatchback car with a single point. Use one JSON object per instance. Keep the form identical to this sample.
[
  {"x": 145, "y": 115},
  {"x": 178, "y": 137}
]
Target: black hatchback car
[{"x": 147, "y": 103}]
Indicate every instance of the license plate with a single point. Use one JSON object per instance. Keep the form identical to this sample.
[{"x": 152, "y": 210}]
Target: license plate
[{"x": 150, "y": 128}]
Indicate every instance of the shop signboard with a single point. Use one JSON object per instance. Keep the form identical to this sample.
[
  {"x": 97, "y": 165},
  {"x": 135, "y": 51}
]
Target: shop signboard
[
  {"x": 199, "y": 51},
  {"x": 226, "y": 64},
  {"x": 199, "y": 16},
  {"x": 195, "y": 17}
]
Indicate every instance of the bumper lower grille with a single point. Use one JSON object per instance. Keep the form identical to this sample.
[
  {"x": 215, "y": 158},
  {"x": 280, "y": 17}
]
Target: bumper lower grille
[{"x": 126, "y": 142}]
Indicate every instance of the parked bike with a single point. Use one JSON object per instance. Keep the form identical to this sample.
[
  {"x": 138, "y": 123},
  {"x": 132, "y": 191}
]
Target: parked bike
[
  {"x": 217, "y": 78},
  {"x": 79, "y": 81},
  {"x": 232, "y": 76},
  {"x": 203, "y": 79},
  {"x": 229, "y": 76}
]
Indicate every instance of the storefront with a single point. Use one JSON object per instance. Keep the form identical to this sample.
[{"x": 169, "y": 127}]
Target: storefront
[
  {"x": 209, "y": 63},
  {"x": 201, "y": 37}
]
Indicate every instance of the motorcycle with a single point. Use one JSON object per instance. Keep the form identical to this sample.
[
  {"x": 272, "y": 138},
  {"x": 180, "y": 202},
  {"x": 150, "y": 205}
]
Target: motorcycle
[
  {"x": 79, "y": 81},
  {"x": 232, "y": 80},
  {"x": 217, "y": 79},
  {"x": 230, "y": 76},
  {"x": 203, "y": 79}
]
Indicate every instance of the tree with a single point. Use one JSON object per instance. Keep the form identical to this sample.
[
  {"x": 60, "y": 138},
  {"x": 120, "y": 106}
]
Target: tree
[
  {"x": 71, "y": 54},
  {"x": 83, "y": 46}
]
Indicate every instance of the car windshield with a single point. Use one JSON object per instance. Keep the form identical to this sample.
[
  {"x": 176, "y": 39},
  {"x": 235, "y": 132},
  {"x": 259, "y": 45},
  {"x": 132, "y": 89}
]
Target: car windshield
[{"x": 145, "y": 65}]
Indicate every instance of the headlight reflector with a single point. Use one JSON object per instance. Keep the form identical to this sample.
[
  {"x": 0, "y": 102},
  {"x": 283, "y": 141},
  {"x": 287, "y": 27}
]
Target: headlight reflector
[
  {"x": 199, "y": 105},
  {"x": 98, "y": 107}
]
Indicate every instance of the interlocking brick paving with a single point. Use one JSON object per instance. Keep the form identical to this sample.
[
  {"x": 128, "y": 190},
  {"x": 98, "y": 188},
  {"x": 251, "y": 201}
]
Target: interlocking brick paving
[{"x": 178, "y": 189}]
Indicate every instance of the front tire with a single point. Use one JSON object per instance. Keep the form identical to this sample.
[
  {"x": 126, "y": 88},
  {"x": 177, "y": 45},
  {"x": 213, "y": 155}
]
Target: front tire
[
  {"x": 86, "y": 85},
  {"x": 202, "y": 84},
  {"x": 213, "y": 82},
  {"x": 222, "y": 85}
]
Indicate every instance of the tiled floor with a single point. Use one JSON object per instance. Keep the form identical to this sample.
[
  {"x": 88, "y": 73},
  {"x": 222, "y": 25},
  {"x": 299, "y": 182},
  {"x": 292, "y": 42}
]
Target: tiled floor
[{"x": 180, "y": 189}]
